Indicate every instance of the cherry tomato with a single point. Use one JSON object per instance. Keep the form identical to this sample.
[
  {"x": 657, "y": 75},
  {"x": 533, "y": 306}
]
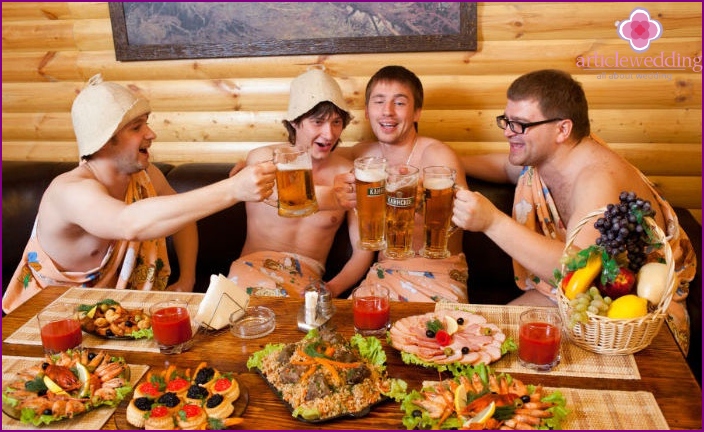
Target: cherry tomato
[{"x": 443, "y": 338}]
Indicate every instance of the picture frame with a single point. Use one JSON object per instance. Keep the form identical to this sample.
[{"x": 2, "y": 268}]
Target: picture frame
[{"x": 193, "y": 30}]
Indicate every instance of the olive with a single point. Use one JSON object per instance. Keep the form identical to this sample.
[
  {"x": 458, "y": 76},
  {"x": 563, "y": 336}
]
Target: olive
[
  {"x": 416, "y": 413},
  {"x": 128, "y": 324},
  {"x": 525, "y": 398},
  {"x": 465, "y": 350},
  {"x": 42, "y": 392},
  {"x": 45, "y": 365},
  {"x": 46, "y": 411},
  {"x": 91, "y": 355},
  {"x": 430, "y": 333},
  {"x": 460, "y": 320},
  {"x": 109, "y": 333}
]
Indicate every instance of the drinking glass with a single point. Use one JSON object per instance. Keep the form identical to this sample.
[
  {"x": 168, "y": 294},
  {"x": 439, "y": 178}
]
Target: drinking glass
[
  {"x": 539, "y": 338},
  {"x": 438, "y": 193},
  {"x": 370, "y": 309},
  {"x": 370, "y": 178},
  {"x": 60, "y": 328},
  {"x": 171, "y": 324},
  {"x": 294, "y": 182},
  {"x": 401, "y": 187}
]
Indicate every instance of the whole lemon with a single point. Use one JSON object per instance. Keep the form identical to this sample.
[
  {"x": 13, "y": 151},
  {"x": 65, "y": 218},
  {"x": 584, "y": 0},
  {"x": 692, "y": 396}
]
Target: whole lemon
[{"x": 628, "y": 306}]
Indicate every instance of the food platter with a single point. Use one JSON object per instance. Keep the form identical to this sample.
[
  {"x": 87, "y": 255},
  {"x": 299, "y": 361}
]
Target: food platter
[
  {"x": 240, "y": 406},
  {"x": 363, "y": 412},
  {"x": 449, "y": 337},
  {"x": 64, "y": 386},
  {"x": 175, "y": 398},
  {"x": 324, "y": 377},
  {"x": 108, "y": 319}
]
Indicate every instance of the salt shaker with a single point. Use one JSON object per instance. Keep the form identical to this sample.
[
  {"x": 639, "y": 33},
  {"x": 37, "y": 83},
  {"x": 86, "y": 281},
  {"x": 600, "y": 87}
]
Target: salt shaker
[{"x": 317, "y": 309}]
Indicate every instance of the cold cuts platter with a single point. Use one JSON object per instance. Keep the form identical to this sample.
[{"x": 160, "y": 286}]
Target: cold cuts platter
[{"x": 437, "y": 339}]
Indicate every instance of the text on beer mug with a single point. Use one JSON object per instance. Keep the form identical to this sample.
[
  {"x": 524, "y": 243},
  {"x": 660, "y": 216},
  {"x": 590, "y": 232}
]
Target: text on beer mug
[
  {"x": 401, "y": 187},
  {"x": 370, "y": 180}
]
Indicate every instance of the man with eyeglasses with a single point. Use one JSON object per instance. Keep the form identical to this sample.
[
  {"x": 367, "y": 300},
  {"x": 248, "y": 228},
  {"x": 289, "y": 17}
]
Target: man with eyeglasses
[{"x": 562, "y": 172}]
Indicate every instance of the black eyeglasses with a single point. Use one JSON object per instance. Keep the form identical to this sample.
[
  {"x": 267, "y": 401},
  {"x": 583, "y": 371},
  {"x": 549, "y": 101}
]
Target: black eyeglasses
[{"x": 518, "y": 127}]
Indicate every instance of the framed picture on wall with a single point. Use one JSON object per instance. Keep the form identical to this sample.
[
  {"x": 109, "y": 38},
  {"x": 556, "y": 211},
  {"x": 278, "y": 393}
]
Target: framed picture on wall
[{"x": 188, "y": 30}]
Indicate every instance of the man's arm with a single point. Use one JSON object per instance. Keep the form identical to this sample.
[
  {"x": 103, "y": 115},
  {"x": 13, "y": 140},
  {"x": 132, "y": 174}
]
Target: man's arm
[
  {"x": 493, "y": 167},
  {"x": 357, "y": 266},
  {"x": 93, "y": 208}
]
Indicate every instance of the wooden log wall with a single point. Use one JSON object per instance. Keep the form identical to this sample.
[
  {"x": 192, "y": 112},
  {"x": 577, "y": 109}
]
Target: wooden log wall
[{"x": 209, "y": 110}]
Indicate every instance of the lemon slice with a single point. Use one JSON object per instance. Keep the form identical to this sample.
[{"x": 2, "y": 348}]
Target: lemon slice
[
  {"x": 460, "y": 398},
  {"x": 483, "y": 415},
  {"x": 84, "y": 377},
  {"x": 53, "y": 387},
  {"x": 450, "y": 325}
]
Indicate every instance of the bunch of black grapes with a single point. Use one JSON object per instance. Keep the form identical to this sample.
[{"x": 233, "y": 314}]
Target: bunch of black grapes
[{"x": 623, "y": 230}]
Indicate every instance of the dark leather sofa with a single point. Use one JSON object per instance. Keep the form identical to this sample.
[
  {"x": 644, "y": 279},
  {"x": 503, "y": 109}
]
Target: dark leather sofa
[{"x": 222, "y": 235}]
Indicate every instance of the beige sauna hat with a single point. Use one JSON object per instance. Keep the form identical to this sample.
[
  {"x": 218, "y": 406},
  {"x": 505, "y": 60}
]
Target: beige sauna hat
[
  {"x": 100, "y": 110},
  {"x": 311, "y": 88}
]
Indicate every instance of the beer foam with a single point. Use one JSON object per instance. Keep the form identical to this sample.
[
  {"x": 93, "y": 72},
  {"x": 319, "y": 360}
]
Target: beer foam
[
  {"x": 292, "y": 166},
  {"x": 369, "y": 175},
  {"x": 437, "y": 183}
]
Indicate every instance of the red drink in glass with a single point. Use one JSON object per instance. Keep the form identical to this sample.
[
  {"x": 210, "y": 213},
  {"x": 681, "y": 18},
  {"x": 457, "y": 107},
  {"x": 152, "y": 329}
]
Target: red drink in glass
[
  {"x": 61, "y": 335},
  {"x": 172, "y": 325},
  {"x": 539, "y": 343},
  {"x": 371, "y": 313}
]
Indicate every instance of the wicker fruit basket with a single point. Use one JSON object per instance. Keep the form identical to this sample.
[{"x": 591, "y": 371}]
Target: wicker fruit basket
[{"x": 605, "y": 335}]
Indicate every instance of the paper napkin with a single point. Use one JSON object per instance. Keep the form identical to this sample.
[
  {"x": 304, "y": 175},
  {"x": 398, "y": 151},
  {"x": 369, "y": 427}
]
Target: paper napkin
[{"x": 222, "y": 299}]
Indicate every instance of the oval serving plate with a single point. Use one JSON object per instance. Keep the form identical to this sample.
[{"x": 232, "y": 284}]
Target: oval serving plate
[
  {"x": 361, "y": 413},
  {"x": 121, "y": 317},
  {"x": 240, "y": 405}
]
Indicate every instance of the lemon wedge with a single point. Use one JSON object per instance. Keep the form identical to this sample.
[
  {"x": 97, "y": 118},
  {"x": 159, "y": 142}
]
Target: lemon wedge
[
  {"x": 84, "y": 377},
  {"x": 91, "y": 313},
  {"x": 460, "y": 398},
  {"x": 450, "y": 325},
  {"x": 483, "y": 415},
  {"x": 53, "y": 387}
]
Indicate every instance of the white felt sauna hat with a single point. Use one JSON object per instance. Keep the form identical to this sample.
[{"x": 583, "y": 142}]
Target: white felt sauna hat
[
  {"x": 100, "y": 110},
  {"x": 311, "y": 88}
]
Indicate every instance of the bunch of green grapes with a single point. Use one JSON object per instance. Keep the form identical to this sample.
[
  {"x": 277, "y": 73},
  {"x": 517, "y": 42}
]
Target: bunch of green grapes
[{"x": 588, "y": 301}]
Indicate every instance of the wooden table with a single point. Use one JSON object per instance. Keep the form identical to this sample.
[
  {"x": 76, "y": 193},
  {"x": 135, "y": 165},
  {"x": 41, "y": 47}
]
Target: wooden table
[{"x": 663, "y": 369}]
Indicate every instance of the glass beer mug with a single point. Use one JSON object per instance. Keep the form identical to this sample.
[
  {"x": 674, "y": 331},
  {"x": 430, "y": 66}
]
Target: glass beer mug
[
  {"x": 401, "y": 187},
  {"x": 438, "y": 193},
  {"x": 294, "y": 182},
  {"x": 370, "y": 180}
]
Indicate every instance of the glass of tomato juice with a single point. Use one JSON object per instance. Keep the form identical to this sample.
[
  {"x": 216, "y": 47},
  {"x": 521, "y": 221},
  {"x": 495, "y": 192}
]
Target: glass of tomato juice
[
  {"x": 539, "y": 338},
  {"x": 370, "y": 309},
  {"x": 59, "y": 328},
  {"x": 171, "y": 324}
]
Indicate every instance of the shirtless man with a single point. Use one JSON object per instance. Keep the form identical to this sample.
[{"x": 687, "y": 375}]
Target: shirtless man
[
  {"x": 284, "y": 255},
  {"x": 562, "y": 173},
  {"x": 103, "y": 223},
  {"x": 394, "y": 102}
]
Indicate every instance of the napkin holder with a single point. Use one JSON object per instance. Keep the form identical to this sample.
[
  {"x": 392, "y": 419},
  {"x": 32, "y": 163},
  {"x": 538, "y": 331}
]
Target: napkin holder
[{"x": 222, "y": 299}]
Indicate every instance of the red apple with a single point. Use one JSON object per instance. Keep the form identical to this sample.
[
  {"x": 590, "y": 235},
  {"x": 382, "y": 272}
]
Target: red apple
[{"x": 621, "y": 285}]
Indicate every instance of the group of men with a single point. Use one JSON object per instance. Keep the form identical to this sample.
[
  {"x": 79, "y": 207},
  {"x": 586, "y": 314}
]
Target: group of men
[{"x": 104, "y": 223}]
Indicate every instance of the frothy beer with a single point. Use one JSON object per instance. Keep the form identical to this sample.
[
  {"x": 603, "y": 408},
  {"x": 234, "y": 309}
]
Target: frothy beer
[
  {"x": 438, "y": 195},
  {"x": 371, "y": 207},
  {"x": 294, "y": 184},
  {"x": 401, "y": 185}
]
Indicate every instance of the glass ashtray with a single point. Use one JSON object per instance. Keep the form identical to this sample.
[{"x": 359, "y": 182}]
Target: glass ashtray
[{"x": 257, "y": 321}]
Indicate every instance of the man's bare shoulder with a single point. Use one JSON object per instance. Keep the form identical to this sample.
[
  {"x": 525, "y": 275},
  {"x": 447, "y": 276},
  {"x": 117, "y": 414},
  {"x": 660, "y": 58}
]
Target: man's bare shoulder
[{"x": 263, "y": 153}]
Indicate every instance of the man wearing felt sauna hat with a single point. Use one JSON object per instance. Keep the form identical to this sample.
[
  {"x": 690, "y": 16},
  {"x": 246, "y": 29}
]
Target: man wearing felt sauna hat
[
  {"x": 281, "y": 256},
  {"x": 99, "y": 224}
]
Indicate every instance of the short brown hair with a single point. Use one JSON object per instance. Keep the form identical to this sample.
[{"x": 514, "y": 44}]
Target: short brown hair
[
  {"x": 322, "y": 110},
  {"x": 558, "y": 96}
]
